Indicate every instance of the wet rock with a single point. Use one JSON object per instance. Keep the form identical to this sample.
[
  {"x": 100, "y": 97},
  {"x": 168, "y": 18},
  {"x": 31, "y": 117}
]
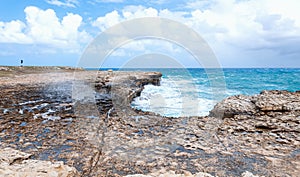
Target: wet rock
[{"x": 118, "y": 89}]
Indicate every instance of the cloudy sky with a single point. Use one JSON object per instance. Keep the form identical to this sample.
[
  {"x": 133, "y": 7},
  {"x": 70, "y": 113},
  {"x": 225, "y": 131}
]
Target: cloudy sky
[{"x": 241, "y": 33}]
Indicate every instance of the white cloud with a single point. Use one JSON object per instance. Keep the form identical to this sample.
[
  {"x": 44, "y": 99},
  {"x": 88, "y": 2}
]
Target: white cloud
[
  {"x": 177, "y": 16},
  {"x": 12, "y": 32},
  {"x": 230, "y": 27},
  {"x": 147, "y": 46},
  {"x": 248, "y": 24},
  {"x": 66, "y": 3},
  {"x": 44, "y": 27},
  {"x": 289, "y": 9},
  {"x": 107, "y": 21},
  {"x": 202, "y": 4},
  {"x": 130, "y": 12},
  {"x": 136, "y": 46}
]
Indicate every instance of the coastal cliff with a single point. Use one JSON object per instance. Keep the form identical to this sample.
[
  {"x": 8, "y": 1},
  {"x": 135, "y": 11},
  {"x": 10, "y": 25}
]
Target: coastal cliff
[{"x": 243, "y": 135}]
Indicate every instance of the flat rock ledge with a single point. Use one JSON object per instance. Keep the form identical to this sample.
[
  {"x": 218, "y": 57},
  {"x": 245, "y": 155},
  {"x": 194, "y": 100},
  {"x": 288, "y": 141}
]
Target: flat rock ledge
[
  {"x": 16, "y": 163},
  {"x": 265, "y": 103}
]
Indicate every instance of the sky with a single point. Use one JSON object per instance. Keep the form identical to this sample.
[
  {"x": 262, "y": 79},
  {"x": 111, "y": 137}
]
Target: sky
[{"x": 241, "y": 33}]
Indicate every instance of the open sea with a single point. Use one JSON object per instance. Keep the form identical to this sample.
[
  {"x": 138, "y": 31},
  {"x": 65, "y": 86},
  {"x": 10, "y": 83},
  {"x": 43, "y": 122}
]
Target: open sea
[{"x": 194, "y": 92}]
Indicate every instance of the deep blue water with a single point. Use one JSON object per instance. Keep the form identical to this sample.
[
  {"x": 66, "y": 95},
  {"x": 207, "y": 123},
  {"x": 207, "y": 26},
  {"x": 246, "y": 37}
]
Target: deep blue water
[{"x": 188, "y": 92}]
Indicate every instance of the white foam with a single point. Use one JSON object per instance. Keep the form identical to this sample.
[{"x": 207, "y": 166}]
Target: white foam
[
  {"x": 5, "y": 111},
  {"x": 40, "y": 106},
  {"x": 174, "y": 98},
  {"x": 30, "y": 102},
  {"x": 47, "y": 116},
  {"x": 21, "y": 111}
]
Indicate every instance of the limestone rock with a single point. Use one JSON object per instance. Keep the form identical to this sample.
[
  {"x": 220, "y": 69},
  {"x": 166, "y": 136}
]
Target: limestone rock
[
  {"x": 13, "y": 163},
  {"x": 258, "y": 136},
  {"x": 266, "y": 101},
  {"x": 278, "y": 101},
  {"x": 9, "y": 155},
  {"x": 234, "y": 105},
  {"x": 172, "y": 174},
  {"x": 248, "y": 174},
  {"x": 187, "y": 174}
]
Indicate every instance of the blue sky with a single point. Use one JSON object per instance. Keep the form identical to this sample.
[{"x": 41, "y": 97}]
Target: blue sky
[{"x": 245, "y": 33}]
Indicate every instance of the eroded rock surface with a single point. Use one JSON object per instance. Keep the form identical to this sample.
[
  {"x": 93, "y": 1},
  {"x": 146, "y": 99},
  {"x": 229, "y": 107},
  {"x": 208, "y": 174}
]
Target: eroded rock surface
[
  {"x": 234, "y": 105},
  {"x": 99, "y": 134},
  {"x": 15, "y": 163},
  {"x": 186, "y": 174},
  {"x": 263, "y": 103}
]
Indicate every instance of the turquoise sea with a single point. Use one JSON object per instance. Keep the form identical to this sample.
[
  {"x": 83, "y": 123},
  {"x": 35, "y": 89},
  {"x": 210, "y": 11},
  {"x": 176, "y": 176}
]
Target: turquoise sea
[{"x": 194, "y": 92}]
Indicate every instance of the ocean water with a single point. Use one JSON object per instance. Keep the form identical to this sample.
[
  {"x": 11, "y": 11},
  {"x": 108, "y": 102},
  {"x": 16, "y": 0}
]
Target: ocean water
[{"x": 194, "y": 92}]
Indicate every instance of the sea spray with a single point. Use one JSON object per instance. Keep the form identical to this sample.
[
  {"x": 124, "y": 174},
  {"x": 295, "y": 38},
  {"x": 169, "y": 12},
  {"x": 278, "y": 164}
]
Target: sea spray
[{"x": 194, "y": 87}]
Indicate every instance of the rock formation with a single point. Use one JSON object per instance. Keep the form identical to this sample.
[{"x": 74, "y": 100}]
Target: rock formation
[
  {"x": 15, "y": 163},
  {"x": 266, "y": 102},
  {"x": 256, "y": 136}
]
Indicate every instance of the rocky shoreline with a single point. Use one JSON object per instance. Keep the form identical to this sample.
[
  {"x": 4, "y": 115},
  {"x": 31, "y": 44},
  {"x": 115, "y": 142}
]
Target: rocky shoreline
[{"x": 242, "y": 136}]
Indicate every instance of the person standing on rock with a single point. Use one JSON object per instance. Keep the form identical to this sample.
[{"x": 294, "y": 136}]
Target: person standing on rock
[{"x": 21, "y": 63}]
